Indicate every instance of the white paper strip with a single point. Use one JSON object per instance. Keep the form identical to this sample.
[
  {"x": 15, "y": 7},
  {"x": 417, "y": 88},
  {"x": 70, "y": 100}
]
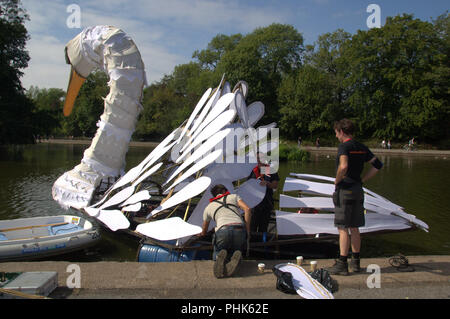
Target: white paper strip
[
  {"x": 241, "y": 109},
  {"x": 251, "y": 192},
  {"x": 157, "y": 156},
  {"x": 226, "y": 88},
  {"x": 211, "y": 129},
  {"x": 92, "y": 211},
  {"x": 138, "y": 197},
  {"x": 118, "y": 198},
  {"x": 242, "y": 86},
  {"x": 147, "y": 174},
  {"x": 191, "y": 190},
  {"x": 194, "y": 113},
  {"x": 127, "y": 178},
  {"x": 255, "y": 113},
  {"x": 168, "y": 229},
  {"x": 210, "y": 144},
  {"x": 202, "y": 150},
  {"x": 158, "y": 151},
  {"x": 132, "y": 208},
  {"x": 198, "y": 166},
  {"x": 325, "y": 203},
  {"x": 114, "y": 219},
  {"x": 231, "y": 171},
  {"x": 295, "y": 184},
  {"x": 220, "y": 106},
  {"x": 175, "y": 151},
  {"x": 331, "y": 179},
  {"x": 205, "y": 110},
  {"x": 311, "y": 224}
]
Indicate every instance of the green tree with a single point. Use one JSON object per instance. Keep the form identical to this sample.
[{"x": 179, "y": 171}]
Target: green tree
[
  {"x": 306, "y": 105},
  {"x": 16, "y": 123},
  {"x": 217, "y": 47},
  {"x": 89, "y": 105},
  {"x": 191, "y": 80},
  {"x": 47, "y": 114},
  {"x": 393, "y": 80},
  {"x": 164, "y": 110},
  {"x": 263, "y": 58},
  {"x": 328, "y": 55},
  {"x": 441, "y": 73}
]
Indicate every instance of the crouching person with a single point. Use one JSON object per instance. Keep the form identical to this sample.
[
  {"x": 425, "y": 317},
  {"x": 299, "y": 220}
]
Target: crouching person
[{"x": 231, "y": 231}]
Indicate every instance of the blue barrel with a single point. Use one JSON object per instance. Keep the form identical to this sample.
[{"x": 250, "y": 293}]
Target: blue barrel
[{"x": 153, "y": 253}]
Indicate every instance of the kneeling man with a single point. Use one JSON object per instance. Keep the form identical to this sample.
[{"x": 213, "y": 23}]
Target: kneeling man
[{"x": 231, "y": 229}]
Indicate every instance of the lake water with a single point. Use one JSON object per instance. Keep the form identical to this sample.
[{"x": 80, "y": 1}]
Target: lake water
[{"x": 419, "y": 184}]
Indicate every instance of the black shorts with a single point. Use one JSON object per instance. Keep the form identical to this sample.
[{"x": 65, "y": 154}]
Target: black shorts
[{"x": 349, "y": 207}]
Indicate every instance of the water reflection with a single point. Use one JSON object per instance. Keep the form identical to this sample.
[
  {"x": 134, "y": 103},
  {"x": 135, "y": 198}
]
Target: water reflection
[{"x": 418, "y": 184}]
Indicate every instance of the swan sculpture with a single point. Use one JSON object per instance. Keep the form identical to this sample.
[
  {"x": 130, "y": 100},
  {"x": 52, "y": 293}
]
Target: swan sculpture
[
  {"x": 111, "y": 50},
  {"x": 209, "y": 148},
  {"x": 193, "y": 147}
]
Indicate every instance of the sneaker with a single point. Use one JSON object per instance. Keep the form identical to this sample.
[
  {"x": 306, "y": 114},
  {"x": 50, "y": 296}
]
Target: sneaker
[
  {"x": 219, "y": 264},
  {"x": 232, "y": 265},
  {"x": 339, "y": 268},
  {"x": 355, "y": 265}
]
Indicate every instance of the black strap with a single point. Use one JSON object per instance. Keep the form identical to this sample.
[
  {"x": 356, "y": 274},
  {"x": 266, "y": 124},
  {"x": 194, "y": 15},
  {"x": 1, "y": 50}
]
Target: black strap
[{"x": 224, "y": 204}]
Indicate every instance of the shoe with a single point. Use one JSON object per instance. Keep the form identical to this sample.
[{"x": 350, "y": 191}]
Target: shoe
[
  {"x": 219, "y": 264},
  {"x": 339, "y": 268},
  {"x": 232, "y": 265},
  {"x": 355, "y": 265}
]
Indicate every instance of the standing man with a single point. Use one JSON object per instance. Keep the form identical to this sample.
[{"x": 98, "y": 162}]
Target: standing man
[
  {"x": 231, "y": 229},
  {"x": 348, "y": 197}
]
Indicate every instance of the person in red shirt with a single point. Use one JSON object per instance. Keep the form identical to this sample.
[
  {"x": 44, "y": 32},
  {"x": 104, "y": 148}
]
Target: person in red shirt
[{"x": 261, "y": 212}]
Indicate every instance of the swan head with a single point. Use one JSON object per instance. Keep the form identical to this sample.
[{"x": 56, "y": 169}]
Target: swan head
[{"x": 81, "y": 67}]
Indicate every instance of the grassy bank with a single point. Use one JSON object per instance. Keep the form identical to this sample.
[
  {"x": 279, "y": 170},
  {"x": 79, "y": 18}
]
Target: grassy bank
[
  {"x": 289, "y": 151},
  {"x": 371, "y": 143}
]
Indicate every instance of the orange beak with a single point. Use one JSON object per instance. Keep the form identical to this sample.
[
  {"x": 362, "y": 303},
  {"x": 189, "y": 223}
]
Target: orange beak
[{"x": 75, "y": 83}]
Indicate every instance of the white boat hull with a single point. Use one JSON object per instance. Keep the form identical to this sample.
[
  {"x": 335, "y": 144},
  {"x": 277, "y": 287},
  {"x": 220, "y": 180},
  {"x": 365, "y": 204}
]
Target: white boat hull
[{"x": 38, "y": 237}]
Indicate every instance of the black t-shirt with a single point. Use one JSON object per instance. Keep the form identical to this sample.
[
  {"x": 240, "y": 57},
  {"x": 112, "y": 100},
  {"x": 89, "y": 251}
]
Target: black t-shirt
[
  {"x": 357, "y": 154},
  {"x": 267, "y": 178}
]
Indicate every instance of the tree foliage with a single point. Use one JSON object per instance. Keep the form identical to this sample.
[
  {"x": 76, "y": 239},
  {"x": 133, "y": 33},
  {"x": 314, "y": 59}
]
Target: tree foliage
[
  {"x": 263, "y": 58},
  {"x": 47, "y": 115},
  {"x": 396, "y": 80},
  {"x": 164, "y": 110},
  {"x": 16, "y": 124},
  {"x": 392, "y": 81},
  {"x": 88, "y": 107},
  {"x": 217, "y": 47}
]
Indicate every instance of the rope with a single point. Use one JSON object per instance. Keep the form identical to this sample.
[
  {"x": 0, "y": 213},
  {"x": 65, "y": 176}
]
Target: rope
[{"x": 401, "y": 263}]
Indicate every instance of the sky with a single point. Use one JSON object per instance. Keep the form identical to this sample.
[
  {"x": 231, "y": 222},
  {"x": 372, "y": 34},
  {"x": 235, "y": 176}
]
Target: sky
[{"x": 167, "y": 32}]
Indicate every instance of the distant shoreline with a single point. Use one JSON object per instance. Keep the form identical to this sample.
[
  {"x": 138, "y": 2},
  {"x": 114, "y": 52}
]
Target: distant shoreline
[
  {"x": 88, "y": 142},
  {"x": 398, "y": 152},
  {"x": 325, "y": 150}
]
